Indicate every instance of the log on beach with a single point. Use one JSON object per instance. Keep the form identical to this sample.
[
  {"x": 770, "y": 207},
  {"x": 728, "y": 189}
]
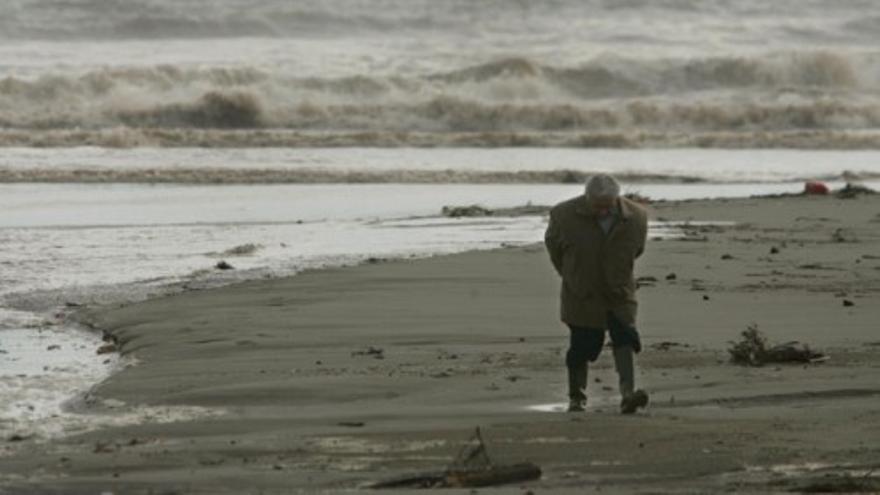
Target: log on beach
[{"x": 471, "y": 478}]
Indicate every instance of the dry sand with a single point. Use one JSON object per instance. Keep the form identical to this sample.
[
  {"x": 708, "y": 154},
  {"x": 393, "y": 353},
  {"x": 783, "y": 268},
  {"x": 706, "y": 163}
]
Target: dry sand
[{"x": 474, "y": 340}]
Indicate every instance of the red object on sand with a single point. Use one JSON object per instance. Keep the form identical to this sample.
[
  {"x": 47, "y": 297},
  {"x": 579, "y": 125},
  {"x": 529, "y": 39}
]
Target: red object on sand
[{"x": 815, "y": 187}]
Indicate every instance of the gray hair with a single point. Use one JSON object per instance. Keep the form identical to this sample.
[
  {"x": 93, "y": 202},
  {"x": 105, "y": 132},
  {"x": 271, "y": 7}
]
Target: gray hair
[{"x": 602, "y": 186}]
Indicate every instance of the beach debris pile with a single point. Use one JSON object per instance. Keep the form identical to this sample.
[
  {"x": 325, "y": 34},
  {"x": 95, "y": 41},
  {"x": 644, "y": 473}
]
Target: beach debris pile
[
  {"x": 815, "y": 187},
  {"x": 667, "y": 345},
  {"x": 841, "y": 235},
  {"x": 753, "y": 350},
  {"x": 351, "y": 424},
  {"x": 852, "y": 191},
  {"x": 482, "y": 211},
  {"x": 849, "y": 191},
  {"x": 375, "y": 352},
  {"x": 845, "y": 483},
  {"x": 471, "y": 468},
  {"x": 466, "y": 211}
]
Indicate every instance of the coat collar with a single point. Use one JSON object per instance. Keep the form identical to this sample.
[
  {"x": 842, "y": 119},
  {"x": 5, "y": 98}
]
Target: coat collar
[{"x": 624, "y": 207}]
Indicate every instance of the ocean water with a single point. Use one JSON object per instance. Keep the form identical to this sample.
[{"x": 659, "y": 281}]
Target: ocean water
[
  {"x": 141, "y": 142},
  {"x": 428, "y": 165},
  {"x": 578, "y": 73}
]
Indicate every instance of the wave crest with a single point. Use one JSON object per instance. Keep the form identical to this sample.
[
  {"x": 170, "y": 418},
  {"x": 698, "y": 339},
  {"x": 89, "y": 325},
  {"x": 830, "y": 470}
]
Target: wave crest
[
  {"x": 216, "y": 110},
  {"x": 602, "y": 78},
  {"x": 797, "y": 91},
  {"x": 203, "y": 175},
  {"x": 216, "y": 175},
  {"x": 123, "y": 137}
]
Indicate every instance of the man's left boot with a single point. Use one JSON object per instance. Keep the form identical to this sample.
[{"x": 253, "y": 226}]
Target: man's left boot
[{"x": 631, "y": 399}]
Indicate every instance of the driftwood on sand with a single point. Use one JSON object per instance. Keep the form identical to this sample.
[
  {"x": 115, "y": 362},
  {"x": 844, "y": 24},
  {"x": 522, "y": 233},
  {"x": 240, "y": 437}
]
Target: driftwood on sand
[{"x": 471, "y": 468}]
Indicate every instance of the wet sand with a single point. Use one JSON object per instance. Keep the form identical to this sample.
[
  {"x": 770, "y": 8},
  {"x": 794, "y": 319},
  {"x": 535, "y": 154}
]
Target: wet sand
[{"x": 334, "y": 378}]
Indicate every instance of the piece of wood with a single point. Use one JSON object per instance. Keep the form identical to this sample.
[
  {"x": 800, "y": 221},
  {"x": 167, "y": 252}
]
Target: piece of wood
[
  {"x": 473, "y": 478},
  {"x": 434, "y": 479},
  {"x": 495, "y": 475}
]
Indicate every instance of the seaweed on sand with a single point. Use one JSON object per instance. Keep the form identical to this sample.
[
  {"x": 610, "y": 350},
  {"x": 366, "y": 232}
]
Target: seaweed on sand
[{"x": 753, "y": 350}]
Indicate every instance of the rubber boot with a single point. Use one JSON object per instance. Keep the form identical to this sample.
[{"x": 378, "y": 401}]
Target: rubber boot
[
  {"x": 623, "y": 363},
  {"x": 631, "y": 399},
  {"x": 577, "y": 387}
]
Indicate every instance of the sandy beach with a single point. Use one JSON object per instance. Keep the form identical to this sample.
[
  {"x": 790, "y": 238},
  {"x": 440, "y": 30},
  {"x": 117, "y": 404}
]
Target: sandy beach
[
  {"x": 332, "y": 379},
  {"x": 262, "y": 246}
]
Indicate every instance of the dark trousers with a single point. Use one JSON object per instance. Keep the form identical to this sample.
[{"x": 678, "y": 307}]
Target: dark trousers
[{"x": 585, "y": 346}]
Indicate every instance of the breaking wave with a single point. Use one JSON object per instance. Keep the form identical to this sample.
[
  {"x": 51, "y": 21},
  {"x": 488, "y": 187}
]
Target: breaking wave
[
  {"x": 121, "y": 137},
  {"x": 214, "y": 109},
  {"x": 203, "y": 175},
  {"x": 223, "y": 175},
  {"x": 781, "y": 94},
  {"x": 621, "y": 77}
]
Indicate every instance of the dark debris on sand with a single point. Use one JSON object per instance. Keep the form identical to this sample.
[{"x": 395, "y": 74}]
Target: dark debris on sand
[
  {"x": 849, "y": 191},
  {"x": 667, "y": 345},
  {"x": 466, "y": 211},
  {"x": 852, "y": 191},
  {"x": 482, "y": 211},
  {"x": 375, "y": 352},
  {"x": 753, "y": 350},
  {"x": 845, "y": 483}
]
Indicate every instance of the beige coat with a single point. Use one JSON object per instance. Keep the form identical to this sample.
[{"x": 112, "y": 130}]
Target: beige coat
[{"x": 596, "y": 269}]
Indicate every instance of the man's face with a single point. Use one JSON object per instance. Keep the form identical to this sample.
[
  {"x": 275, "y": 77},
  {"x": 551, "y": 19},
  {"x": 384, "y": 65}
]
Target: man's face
[{"x": 602, "y": 205}]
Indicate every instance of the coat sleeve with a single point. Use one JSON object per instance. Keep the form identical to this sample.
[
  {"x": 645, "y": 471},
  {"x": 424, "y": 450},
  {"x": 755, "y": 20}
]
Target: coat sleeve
[
  {"x": 553, "y": 241},
  {"x": 643, "y": 236}
]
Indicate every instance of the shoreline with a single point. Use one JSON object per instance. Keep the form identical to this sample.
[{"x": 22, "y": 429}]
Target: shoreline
[
  {"x": 269, "y": 137},
  {"x": 481, "y": 350}
]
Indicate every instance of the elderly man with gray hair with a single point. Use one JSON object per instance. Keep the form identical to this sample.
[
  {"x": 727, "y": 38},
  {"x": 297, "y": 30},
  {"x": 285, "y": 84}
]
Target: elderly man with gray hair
[{"x": 593, "y": 241}]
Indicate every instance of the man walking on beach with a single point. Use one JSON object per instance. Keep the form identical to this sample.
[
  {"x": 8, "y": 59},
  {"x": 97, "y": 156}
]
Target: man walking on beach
[{"x": 593, "y": 241}]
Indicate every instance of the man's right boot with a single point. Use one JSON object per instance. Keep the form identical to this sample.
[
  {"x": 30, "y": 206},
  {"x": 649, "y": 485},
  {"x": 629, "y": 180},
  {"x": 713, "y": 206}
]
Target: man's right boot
[{"x": 577, "y": 388}]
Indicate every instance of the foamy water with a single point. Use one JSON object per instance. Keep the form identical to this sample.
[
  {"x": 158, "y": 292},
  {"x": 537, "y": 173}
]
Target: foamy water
[
  {"x": 712, "y": 73},
  {"x": 442, "y": 165}
]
